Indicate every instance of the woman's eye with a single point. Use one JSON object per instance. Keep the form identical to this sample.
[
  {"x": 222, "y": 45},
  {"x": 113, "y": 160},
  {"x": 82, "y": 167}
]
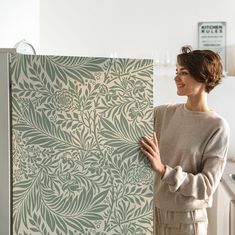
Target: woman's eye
[
  {"x": 184, "y": 73},
  {"x": 181, "y": 73}
]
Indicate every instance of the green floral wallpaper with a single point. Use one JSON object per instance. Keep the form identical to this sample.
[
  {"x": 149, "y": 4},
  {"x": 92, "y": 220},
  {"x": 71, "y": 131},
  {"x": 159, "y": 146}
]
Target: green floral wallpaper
[{"x": 76, "y": 164}]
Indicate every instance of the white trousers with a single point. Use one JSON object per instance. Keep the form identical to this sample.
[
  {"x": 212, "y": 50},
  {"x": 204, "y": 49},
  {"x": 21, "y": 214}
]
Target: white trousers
[{"x": 180, "y": 223}]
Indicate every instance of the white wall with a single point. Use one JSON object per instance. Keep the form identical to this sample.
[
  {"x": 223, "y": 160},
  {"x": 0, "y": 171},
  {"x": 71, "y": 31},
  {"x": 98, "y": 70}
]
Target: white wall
[
  {"x": 132, "y": 28},
  {"x": 19, "y": 20}
]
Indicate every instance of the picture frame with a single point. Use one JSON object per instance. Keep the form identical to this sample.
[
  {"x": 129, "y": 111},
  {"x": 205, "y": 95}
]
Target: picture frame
[{"x": 212, "y": 36}]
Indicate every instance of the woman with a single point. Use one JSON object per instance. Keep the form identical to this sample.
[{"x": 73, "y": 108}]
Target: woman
[{"x": 189, "y": 148}]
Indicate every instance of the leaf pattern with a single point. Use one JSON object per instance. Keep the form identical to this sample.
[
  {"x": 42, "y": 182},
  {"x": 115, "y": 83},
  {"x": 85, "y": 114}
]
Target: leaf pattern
[{"x": 76, "y": 164}]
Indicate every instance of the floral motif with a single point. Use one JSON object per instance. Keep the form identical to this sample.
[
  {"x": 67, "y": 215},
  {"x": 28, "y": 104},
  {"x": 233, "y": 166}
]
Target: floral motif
[
  {"x": 141, "y": 174},
  {"x": 135, "y": 113},
  {"x": 111, "y": 95},
  {"x": 63, "y": 100},
  {"x": 103, "y": 89},
  {"x": 138, "y": 87}
]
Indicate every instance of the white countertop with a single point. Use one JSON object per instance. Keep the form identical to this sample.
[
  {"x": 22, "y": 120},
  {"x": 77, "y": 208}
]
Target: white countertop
[{"x": 230, "y": 167}]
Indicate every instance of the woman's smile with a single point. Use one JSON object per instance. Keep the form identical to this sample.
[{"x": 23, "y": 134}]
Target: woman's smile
[{"x": 180, "y": 85}]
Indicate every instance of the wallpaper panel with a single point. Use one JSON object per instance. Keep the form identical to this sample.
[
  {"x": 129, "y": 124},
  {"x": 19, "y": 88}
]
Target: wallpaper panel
[{"x": 76, "y": 164}]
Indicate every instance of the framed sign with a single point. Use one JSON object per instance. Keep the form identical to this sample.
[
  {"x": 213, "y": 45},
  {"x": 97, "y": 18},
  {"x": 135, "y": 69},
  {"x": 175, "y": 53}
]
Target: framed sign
[{"x": 212, "y": 36}]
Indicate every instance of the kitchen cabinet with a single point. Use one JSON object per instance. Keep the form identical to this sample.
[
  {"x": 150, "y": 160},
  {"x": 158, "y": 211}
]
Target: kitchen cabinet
[{"x": 222, "y": 214}]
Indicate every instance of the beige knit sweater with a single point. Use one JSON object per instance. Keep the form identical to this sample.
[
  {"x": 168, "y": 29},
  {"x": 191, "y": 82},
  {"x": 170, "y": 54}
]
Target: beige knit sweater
[{"x": 193, "y": 146}]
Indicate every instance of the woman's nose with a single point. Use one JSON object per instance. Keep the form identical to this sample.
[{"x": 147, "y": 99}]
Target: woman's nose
[{"x": 177, "y": 77}]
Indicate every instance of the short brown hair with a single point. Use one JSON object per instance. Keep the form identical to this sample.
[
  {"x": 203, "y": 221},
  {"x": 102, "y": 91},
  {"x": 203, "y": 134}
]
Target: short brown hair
[{"x": 204, "y": 65}]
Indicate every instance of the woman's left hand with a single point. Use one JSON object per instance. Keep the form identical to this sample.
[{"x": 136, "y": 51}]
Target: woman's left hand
[{"x": 151, "y": 151}]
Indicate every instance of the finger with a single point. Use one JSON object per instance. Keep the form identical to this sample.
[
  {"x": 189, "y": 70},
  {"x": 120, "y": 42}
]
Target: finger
[
  {"x": 150, "y": 142},
  {"x": 147, "y": 154},
  {"x": 147, "y": 147},
  {"x": 155, "y": 139}
]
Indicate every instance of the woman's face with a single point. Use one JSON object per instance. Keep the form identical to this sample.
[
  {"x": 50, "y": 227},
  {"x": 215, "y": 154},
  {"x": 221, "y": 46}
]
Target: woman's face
[{"x": 186, "y": 85}]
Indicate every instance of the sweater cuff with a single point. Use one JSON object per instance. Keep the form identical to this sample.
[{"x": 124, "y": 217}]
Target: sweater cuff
[
  {"x": 174, "y": 177},
  {"x": 166, "y": 177}
]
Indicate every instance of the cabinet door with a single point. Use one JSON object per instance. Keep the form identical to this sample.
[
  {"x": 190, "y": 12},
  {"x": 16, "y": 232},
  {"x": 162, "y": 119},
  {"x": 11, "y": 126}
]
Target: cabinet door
[
  {"x": 232, "y": 218},
  {"x": 76, "y": 126},
  {"x": 223, "y": 202}
]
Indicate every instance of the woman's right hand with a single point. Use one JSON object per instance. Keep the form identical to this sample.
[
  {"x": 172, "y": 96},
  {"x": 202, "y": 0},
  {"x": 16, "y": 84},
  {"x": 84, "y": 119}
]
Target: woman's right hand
[{"x": 151, "y": 151}]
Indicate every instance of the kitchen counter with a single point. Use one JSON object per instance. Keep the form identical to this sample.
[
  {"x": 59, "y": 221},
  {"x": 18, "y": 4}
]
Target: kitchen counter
[
  {"x": 229, "y": 183},
  {"x": 219, "y": 214},
  {"x": 230, "y": 167},
  {"x": 227, "y": 180}
]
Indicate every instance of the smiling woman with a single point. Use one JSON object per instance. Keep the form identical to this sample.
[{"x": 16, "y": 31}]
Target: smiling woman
[
  {"x": 197, "y": 73},
  {"x": 203, "y": 65},
  {"x": 188, "y": 153},
  {"x": 185, "y": 83}
]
